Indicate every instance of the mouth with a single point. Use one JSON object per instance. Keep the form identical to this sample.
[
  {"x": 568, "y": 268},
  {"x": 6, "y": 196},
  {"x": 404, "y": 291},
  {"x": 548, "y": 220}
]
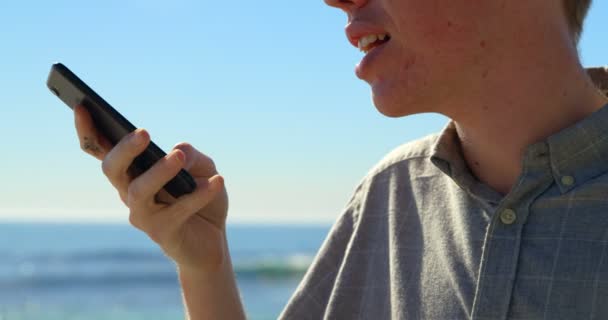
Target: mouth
[
  {"x": 369, "y": 42},
  {"x": 371, "y": 39}
]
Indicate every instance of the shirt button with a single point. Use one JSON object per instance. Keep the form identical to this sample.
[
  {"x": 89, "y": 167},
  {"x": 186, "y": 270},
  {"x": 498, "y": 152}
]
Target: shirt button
[
  {"x": 567, "y": 180},
  {"x": 508, "y": 216}
]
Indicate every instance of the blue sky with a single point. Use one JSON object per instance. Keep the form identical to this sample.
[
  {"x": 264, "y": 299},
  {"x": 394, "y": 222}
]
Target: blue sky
[{"x": 265, "y": 88}]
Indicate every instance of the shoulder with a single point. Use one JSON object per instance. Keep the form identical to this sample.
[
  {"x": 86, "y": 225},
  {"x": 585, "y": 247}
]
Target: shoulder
[
  {"x": 409, "y": 158},
  {"x": 405, "y": 154}
]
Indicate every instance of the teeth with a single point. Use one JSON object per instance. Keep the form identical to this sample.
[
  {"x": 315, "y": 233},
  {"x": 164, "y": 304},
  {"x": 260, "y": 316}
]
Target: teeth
[
  {"x": 369, "y": 40},
  {"x": 364, "y": 42}
]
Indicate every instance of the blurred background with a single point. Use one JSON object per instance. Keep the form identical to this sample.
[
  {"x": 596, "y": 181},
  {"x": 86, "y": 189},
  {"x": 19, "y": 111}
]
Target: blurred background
[{"x": 267, "y": 89}]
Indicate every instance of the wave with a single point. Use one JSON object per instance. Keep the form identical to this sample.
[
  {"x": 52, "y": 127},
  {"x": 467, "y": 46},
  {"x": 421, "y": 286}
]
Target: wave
[
  {"x": 131, "y": 268},
  {"x": 122, "y": 255}
]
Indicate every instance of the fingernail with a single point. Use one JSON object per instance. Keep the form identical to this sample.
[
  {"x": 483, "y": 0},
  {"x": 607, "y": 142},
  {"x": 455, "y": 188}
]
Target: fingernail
[
  {"x": 219, "y": 180},
  {"x": 139, "y": 136},
  {"x": 181, "y": 157}
]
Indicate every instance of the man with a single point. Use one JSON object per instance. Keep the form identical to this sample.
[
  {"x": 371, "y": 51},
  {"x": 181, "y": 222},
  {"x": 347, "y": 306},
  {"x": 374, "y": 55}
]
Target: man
[{"x": 501, "y": 215}]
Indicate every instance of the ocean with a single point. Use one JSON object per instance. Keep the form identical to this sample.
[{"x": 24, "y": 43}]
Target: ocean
[{"x": 102, "y": 272}]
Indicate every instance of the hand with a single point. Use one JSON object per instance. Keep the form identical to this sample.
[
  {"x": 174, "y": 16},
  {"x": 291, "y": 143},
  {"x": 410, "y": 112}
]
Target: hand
[{"x": 190, "y": 229}]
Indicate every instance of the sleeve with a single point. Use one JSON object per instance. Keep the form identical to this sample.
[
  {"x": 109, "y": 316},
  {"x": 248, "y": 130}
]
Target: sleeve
[{"x": 312, "y": 296}]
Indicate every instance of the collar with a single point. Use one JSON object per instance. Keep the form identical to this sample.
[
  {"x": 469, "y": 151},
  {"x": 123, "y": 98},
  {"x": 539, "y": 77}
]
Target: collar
[
  {"x": 447, "y": 156},
  {"x": 580, "y": 152},
  {"x": 577, "y": 153}
]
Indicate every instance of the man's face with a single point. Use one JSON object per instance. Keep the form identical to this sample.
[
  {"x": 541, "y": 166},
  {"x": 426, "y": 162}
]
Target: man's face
[{"x": 435, "y": 49}]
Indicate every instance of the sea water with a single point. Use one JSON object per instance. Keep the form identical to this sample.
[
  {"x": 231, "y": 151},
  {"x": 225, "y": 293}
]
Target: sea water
[{"x": 101, "y": 272}]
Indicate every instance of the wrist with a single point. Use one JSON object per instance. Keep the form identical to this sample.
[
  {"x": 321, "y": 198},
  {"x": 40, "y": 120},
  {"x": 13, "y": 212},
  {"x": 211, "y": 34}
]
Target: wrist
[
  {"x": 202, "y": 273},
  {"x": 215, "y": 264},
  {"x": 210, "y": 294}
]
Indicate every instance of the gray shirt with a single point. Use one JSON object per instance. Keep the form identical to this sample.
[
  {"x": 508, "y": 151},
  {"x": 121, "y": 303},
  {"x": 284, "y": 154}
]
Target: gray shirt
[{"x": 422, "y": 238}]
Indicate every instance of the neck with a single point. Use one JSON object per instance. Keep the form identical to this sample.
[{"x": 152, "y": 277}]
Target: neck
[{"x": 518, "y": 104}]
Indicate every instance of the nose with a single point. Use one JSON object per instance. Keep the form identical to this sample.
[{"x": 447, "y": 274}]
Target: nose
[{"x": 346, "y": 5}]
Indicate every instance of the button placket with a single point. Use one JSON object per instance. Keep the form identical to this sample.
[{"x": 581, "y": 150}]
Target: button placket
[{"x": 498, "y": 270}]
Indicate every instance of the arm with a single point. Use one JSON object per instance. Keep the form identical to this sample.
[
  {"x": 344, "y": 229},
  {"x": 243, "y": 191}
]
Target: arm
[
  {"x": 191, "y": 230},
  {"x": 211, "y": 295}
]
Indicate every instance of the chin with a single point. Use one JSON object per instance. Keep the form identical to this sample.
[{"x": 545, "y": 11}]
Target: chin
[
  {"x": 394, "y": 107},
  {"x": 390, "y": 112}
]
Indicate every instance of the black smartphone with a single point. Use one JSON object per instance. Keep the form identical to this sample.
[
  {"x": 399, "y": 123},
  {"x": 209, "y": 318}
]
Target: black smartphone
[{"x": 110, "y": 123}]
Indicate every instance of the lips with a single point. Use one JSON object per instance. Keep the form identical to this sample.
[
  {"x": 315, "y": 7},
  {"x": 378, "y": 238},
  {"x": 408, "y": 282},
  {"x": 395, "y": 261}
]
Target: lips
[
  {"x": 357, "y": 30},
  {"x": 364, "y": 69}
]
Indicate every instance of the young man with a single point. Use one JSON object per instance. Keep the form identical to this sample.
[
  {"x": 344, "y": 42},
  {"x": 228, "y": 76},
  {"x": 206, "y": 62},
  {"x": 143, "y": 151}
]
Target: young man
[{"x": 501, "y": 215}]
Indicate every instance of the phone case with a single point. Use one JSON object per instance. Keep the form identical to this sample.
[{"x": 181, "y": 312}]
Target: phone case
[{"x": 109, "y": 122}]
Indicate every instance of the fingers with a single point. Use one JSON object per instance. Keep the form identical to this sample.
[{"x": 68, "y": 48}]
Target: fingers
[
  {"x": 165, "y": 222},
  {"x": 143, "y": 190},
  {"x": 116, "y": 163},
  {"x": 180, "y": 211},
  {"x": 197, "y": 163},
  {"x": 90, "y": 140}
]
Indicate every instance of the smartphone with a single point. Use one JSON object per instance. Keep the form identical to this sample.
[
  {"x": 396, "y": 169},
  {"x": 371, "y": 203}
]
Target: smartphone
[{"x": 110, "y": 123}]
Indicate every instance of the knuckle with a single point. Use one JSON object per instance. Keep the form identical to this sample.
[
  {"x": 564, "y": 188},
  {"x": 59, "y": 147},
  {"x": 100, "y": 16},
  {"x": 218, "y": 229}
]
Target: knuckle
[
  {"x": 184, "y": 146},
  {"x": 123, "y": 198},
  {"x": 134, "y": 193},
  {"x": 106, "y": 167},
  {"x": 208, "y": 160},
  {"x": 135, "y": 220},
  {"x": 212, "y": 163}
]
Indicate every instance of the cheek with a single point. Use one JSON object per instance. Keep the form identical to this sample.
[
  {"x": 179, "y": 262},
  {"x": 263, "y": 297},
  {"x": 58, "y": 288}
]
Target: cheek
[
  {"x": 436, "y": 27},
  {"x": 445, "y": 44},
  {"x": 436, "y": 47}
]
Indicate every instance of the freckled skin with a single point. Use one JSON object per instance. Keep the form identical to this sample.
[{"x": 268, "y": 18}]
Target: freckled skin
[
  {"x": 91, "y": 146},
  {"x": 434, "y": 52},
  {"x": 456, "y": 57}
]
